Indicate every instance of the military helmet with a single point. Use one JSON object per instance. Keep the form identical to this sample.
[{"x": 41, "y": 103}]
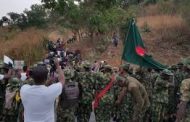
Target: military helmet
[
  {"x": 115, "y": 69},
  {"x": 186, "y": 62},
  {"x": 167, "y": 72},
  {"x": 14, "y": 83},
  {"x": 86, "y": 64},
  {"x": 69, "y": 73},
  {"x": 107, "y": 67},
  {"x": 125, "y": 67},
  {"x": 173, "y": 67}
]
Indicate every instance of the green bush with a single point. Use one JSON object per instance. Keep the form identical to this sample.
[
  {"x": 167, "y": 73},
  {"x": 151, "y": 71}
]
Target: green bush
[
  {"x": 184, "y": 10},
  {"x": 167, "y": 7}
]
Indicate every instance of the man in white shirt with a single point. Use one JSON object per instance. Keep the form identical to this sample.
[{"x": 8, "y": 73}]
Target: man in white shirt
[{"x": 38, "y": 99}]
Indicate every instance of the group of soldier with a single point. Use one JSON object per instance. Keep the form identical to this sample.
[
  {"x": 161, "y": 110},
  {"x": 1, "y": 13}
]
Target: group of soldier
[{"x": 141, "y": 95}]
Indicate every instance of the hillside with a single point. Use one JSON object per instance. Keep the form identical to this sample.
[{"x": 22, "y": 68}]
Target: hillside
[{"x": 166, "y": 37}]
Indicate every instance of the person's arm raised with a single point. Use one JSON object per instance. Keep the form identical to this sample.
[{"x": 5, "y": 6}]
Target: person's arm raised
[{"x": 61, "y": 76}]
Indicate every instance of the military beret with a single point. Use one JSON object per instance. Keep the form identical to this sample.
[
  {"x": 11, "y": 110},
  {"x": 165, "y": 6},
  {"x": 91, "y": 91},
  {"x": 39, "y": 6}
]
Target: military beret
[
  {"x": 125, "y": 66},
  {"x": 167, "y": 72}
]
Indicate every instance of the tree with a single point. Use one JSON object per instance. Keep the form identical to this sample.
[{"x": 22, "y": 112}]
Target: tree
[
  {"x": 22, "y": 22},
  {"x": 1, "y": 23},
  {"x": 36, "y": 16},
  {"x": 14, "y": 17},
  {"x": 49, "y": 4},
  {"x": 62, "y": 6},
  {"x": 5, "y": 19},
  {"x": 95, "y": 16}
]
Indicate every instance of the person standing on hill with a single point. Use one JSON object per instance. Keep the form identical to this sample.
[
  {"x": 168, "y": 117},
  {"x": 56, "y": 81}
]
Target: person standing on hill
[
  {"x": 115, "y": 39},
  {"x": 38, "y": 100}
]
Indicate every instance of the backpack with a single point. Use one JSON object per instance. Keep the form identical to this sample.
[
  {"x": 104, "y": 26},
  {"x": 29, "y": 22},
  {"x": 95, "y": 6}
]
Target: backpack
[{"x": 70, "y": 95}]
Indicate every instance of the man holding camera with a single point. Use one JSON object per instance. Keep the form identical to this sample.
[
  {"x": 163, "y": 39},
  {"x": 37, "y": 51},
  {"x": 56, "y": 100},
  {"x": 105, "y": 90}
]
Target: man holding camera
[{"x": 38, "y": 99}]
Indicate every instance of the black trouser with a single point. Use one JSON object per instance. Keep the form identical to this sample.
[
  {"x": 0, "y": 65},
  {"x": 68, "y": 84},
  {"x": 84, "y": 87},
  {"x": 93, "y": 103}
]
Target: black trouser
[
  {"x": 2, "y": 99},
  {"x": 1, "y": 107}
]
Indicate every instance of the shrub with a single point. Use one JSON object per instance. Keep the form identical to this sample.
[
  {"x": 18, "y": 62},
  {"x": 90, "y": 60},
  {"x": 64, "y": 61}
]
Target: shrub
[{"x": 184, "y": 10}]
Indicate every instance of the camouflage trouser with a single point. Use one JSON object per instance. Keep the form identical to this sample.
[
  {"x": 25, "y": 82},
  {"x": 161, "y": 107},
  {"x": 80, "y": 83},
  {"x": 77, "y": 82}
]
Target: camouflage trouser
[
  {"x": 10, "y": 116},
  {"x": 159, "y": 112},
  {"x": 2, "y": 99},
  {"x": 1, "y": 107},
  {"x": 67, "y": 115},
  {"x": 187, "y": 116}
]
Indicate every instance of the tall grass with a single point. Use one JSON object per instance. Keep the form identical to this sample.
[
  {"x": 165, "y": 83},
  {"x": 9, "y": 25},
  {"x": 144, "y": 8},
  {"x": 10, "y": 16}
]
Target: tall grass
[
  {"x": 27, "y": 46},
  {"x": 163, "y": 7},
  {"x": 160, "y": 22},
  {"x": 168, "y": 37}
]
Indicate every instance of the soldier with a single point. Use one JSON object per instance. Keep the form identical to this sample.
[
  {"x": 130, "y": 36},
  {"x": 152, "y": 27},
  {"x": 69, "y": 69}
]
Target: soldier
[
  {"x": 138, "y": 93},
  {"x": 148, "y": 81},
  {"x": 180, "y": 74},
  {"x": 5, "y": 74},
  {"x": 184, "y": 107},
  {"x": 11, "y": 103},
  {"x": 69, "y": 98},
  {"x": 161, "y": 96},
  {"x": 124, "y": 69}
]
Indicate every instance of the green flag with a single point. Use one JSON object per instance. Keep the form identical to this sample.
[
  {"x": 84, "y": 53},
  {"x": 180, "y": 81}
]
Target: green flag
[{"x": 134, "y": 50}]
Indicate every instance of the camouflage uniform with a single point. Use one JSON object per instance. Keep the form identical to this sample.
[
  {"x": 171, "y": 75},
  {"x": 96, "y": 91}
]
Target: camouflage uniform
[
  {"x": 67, "y": 114},
  {"x": 148, "y": 82},
  {"x": 140, "y": 99},
  {"x": 144, "y": 96},
  {"x": 11, "y": 112},
  {"x": 174, "y": 97},
  {"x": 185, "y": 91},
  {"x": 161, "y": 98}
]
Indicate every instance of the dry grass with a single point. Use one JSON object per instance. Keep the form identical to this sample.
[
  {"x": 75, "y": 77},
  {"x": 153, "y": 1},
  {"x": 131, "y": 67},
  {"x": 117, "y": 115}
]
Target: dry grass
[
  {"x": 165, "y": 42},
  {"x": 27, "y": 45},
  {"x": 162, "y": 22},
  {"x": 151, "y": 10},
  {"x": 168, "y": 39},
  {"x": 54, "y": 35},
  {"x": 167, "y": 8}
]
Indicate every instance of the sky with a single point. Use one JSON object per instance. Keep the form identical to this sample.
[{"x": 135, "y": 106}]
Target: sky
[{"x": 17, "y": 6}]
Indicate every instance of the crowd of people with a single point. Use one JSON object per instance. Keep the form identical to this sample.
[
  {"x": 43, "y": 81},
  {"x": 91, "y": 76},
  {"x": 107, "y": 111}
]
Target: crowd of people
[{"x": 62, "y": 88}]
